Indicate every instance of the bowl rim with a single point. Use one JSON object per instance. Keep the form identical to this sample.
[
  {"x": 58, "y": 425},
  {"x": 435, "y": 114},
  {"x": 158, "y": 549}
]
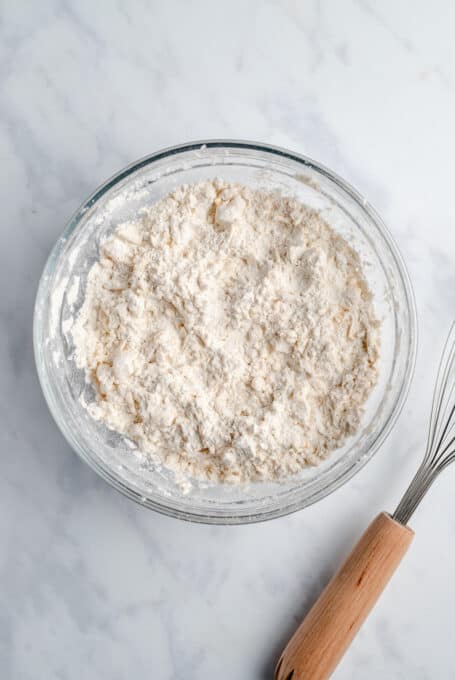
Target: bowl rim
[{"x": 223, "y": 517}]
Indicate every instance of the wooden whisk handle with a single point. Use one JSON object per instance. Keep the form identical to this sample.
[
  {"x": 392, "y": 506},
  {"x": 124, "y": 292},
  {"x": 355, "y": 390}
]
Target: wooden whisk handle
[{"x": 327, "y": 631}]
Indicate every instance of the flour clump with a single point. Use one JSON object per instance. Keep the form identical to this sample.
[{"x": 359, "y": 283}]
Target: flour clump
[{"x": 230, "y": 333}]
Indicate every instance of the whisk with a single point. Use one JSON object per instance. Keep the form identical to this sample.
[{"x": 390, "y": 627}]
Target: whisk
[{"x": 328, "y": 629}]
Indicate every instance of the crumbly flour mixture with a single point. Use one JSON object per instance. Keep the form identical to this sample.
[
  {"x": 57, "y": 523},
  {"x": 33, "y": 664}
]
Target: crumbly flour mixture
[{"x": 230, "y": 333}]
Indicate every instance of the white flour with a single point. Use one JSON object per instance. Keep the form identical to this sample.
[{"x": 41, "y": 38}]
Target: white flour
[{"x": 230, "y": 333}]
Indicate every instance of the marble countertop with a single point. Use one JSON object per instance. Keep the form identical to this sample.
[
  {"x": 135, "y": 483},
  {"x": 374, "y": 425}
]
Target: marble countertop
[{"x": 93, "y": 586}]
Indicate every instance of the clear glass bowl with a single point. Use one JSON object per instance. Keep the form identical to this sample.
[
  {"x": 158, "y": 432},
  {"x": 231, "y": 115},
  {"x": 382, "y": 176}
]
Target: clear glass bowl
[{"x": 145, "y": 181}]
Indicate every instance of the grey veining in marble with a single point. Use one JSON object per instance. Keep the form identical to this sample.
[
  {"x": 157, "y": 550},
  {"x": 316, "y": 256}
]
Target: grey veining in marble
[{"x": 92, "y": 586}]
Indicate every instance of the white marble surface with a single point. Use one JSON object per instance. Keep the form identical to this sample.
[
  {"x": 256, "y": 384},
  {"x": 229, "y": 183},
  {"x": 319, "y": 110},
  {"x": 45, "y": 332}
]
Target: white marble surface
[{"x": 92, "y": 586}]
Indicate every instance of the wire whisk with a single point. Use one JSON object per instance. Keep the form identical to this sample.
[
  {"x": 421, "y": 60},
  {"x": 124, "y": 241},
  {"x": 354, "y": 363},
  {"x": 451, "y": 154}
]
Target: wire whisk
[
  {"x": 440, "y": 450},
  {"x": 331, "y": 624}
]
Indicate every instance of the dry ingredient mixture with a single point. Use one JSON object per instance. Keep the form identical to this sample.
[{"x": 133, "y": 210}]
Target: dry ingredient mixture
[{"x": 230, "y": 333}]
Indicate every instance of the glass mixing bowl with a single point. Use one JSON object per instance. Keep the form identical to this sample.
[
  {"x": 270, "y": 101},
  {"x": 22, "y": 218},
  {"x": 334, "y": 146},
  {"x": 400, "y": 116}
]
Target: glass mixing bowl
[{"x": 61, "y": 292}]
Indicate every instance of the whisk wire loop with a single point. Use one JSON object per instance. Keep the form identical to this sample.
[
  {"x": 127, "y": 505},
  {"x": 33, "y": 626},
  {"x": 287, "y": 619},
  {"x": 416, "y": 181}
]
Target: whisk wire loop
[{"x": 440, "y": 450}]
